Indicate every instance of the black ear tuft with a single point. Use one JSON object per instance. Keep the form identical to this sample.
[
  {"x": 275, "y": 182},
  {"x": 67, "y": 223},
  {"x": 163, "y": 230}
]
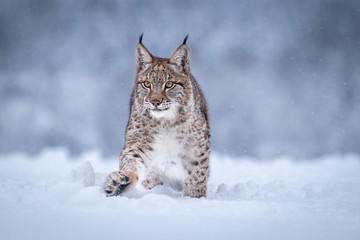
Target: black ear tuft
[
  {"x": 140, "y": 38},
  {"x": 186, "y": 39}
]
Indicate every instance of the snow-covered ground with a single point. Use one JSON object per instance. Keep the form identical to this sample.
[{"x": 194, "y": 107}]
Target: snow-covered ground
[{"x": 56, "y": 196}]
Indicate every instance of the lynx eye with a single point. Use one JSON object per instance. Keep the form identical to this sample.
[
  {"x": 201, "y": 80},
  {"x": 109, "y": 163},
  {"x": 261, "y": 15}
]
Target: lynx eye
[
  {"x": 147, "y": 84},
  {"x": 169, "y": 84}
]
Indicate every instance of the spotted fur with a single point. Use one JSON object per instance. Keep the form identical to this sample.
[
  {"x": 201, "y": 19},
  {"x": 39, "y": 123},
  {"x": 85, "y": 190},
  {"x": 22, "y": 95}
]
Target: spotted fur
[{"x": 168, "y": 133}]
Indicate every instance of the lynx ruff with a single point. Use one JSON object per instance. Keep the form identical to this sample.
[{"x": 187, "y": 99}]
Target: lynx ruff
[{"x": 168, "y": 134}]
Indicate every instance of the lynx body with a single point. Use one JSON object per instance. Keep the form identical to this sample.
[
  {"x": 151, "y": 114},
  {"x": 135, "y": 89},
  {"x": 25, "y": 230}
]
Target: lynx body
[{"x": 168, "y": 134}]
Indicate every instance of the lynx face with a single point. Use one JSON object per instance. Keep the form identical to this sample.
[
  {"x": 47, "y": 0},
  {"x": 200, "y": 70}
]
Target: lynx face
[
  {"x": 161, "y": 84},
  {"x": 162, "y": 92}
]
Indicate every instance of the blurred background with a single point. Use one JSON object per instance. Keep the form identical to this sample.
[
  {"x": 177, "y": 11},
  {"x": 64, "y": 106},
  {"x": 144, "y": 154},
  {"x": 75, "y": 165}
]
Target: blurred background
[{"x": 280, "y": 77}]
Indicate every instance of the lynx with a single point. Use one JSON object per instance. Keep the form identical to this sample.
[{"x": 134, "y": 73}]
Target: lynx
[{"x": 168, "y": 134}]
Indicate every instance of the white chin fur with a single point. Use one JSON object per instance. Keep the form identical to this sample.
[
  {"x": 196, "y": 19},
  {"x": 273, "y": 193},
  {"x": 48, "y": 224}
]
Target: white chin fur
[{"x": 167, "y": 114}]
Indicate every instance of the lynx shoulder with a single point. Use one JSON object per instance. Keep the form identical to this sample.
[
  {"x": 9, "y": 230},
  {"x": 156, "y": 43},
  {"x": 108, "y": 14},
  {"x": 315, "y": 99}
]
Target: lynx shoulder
[{"x": 168, "y": 134}]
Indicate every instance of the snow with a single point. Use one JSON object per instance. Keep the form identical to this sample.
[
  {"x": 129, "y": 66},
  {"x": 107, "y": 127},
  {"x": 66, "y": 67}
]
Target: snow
[{"x": 54, "y": 195}]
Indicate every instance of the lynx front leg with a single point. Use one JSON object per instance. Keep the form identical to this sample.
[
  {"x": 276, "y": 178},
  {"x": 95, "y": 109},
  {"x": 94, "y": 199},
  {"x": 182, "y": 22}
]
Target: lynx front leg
[
  {"x": 118, "y": 182},
  {"x": 195, "y": 184},
  {"x": 151, "y": 180}
]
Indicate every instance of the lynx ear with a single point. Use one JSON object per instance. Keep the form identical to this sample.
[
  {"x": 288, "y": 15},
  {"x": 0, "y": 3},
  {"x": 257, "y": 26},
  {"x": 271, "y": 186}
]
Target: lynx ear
[
  {"x": 181, "y": 57},
  {"x": 143, "y": 56}
]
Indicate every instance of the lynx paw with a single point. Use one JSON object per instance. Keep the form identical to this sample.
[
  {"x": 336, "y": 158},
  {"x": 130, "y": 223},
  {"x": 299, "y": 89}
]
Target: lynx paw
[{"x": 115, "y": 184}]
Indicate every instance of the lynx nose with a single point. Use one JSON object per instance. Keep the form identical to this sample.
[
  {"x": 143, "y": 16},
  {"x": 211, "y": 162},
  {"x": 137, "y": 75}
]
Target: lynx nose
[{"x": 156, "y": 102}]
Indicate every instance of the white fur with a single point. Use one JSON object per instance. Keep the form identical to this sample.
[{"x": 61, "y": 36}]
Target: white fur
[
  {"x": 166, "y": 160},
  {"x": 167, "y": 114}
]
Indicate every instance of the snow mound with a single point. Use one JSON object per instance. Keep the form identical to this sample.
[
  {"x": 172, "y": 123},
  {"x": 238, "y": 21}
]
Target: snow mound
[
  {"x": 56, "y": 196},
  {"x": 84, "y": 174}
]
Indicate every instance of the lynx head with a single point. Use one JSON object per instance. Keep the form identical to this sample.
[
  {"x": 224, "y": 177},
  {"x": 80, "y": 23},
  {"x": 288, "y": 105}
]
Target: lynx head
[{"x": 162, "y": 85}]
